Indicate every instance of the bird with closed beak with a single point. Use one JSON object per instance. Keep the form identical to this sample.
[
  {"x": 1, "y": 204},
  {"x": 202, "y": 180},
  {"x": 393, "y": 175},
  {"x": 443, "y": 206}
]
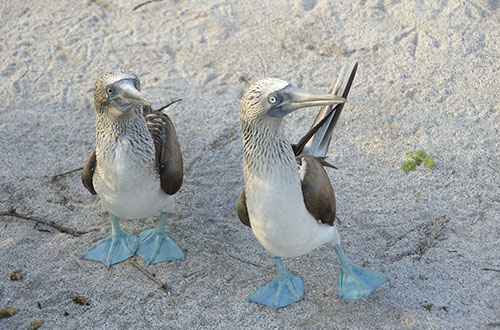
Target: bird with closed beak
[
  {"x": 135, "y": 169},
  {"x": 288, "y": 200}
]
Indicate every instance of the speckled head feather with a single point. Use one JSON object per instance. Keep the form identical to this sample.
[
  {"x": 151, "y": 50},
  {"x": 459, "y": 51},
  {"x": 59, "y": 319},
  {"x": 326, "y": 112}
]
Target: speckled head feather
[
  {"x": 254, "y": 102},
  {"x": 108, "y": 78},
  {"x": 263, "y": 106},
  {"x": 263, "y": 138}
]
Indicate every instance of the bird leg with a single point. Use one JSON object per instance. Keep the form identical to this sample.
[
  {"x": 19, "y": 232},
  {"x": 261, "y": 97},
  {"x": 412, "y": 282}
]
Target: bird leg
[
  {"x": 356, "y": 282},
  {"x": 284, "y": 290},
  {"x": 156, "y": 246},
  {"x": 114, "y": 249}
]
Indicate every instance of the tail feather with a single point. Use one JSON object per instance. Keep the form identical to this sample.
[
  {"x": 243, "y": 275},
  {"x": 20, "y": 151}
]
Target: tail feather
[{"x": 317, "y": 140}]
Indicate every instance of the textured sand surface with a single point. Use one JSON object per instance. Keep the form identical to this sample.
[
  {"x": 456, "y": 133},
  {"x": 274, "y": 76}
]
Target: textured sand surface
[{"x": 428, "y": 79}]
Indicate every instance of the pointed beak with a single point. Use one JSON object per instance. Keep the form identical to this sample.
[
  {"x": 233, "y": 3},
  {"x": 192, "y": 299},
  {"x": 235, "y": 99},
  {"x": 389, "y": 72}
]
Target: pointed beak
[
  {"x": 295, "y": 98},
  {"x": 125, "y": 95},
  {"x": 128, "y": 94}
]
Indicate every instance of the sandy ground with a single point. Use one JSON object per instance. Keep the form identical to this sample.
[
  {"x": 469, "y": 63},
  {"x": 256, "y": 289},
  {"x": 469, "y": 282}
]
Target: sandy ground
[{"x": 428, "y": 79}]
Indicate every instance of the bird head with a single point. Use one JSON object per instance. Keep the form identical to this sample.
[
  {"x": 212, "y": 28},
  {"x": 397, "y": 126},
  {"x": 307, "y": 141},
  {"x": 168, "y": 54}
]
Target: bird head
[
  {"x": 118, "y": 92},
  {"x": 273, "y": 99}
]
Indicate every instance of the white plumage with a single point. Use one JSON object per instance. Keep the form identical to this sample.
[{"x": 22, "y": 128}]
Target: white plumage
[
  {"x": 280, "y": 220},
  {"x": 127, "y": 186},
  {"x": 290, "y": 208}
]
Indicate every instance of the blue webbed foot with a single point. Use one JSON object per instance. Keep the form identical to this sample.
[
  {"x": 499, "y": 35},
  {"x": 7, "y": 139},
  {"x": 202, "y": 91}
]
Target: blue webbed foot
[
  {"x": 156, "y": 246},
  {"x": 113, "y": 249},
  {"x": 283, "y": 291},
  {"x": 356, "y": 282}
]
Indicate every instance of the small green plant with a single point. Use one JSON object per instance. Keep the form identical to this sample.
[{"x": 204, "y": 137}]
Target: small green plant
[{"x": 416, "y": 159}]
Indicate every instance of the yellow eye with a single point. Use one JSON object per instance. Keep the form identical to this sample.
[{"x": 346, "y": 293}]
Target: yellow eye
[
  {"x": 109, "y": 90},
  {"x": 272, "y": 99}
]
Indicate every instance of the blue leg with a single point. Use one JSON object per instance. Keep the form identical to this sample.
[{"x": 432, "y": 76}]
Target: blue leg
[
  {"x": 155, "y": 246},
  {"x": 114, "y": 249},
  {"x": 356, "y": 282},
  {"x": 284, "y": 290}
]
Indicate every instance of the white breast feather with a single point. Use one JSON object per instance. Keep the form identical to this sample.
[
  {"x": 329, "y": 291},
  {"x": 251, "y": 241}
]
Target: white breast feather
[
  {"x": 279, "y": 218},
  {"x": 129, "y": 189}
]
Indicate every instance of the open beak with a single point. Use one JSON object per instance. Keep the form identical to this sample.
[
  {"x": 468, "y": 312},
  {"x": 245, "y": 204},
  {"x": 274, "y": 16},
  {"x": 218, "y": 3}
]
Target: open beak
[{"x": 295, "y": 98}]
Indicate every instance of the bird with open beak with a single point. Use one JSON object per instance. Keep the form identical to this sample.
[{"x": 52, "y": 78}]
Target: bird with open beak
[
  {"x": 135, "y": 169},
  {"x": 288, "y": 200}
]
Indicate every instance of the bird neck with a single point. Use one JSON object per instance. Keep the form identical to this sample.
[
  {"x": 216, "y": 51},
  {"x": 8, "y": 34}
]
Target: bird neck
[
  {"x": 265, "y": 148},
  {"x": 130, "y": 129}
]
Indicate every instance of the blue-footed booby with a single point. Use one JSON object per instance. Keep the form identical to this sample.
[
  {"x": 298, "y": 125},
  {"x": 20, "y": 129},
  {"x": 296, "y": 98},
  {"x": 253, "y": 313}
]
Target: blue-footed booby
[
  {"x": 288, "y": 200},
  {"x": 135, "y": 168}
]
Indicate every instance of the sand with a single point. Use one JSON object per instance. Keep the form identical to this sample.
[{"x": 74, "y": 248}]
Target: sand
[{"x": 428, "y": 79}]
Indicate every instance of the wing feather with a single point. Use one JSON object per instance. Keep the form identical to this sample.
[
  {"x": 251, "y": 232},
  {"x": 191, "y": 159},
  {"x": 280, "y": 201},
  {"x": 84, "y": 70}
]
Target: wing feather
[
  {"x": 88, "y": 173},
  {"x": 317, "y": 190},
  {"x": 168, "y": 151},
  {"x": 241, "y": 208}
]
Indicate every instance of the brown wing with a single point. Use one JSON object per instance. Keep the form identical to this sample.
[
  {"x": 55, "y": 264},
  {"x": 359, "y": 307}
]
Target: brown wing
[
  {"x": 241, "y": 208},
  {"x": 168, "y": 151},
  {"x": 317, "y": 189},
  {"x": 88, "y": 173}
]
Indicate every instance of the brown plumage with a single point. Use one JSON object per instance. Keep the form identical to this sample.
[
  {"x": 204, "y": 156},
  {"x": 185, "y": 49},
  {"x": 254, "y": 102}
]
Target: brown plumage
[
  {"x": 319, "y": 197},
  {"x": 168, "y": 151},
  {"x": 88, "y": 173}
]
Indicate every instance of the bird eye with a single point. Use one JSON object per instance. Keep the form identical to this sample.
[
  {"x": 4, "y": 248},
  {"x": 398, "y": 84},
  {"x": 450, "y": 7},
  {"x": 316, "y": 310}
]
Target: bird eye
[
  {"x": 109, "y": 90},
  {"x": 273, "y": 99}
]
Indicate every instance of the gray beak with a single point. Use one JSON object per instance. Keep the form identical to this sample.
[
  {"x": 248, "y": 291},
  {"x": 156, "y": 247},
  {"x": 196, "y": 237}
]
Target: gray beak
[
  {"x": 125, "y": 95},
  {"x": 295, "y": 98}
]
